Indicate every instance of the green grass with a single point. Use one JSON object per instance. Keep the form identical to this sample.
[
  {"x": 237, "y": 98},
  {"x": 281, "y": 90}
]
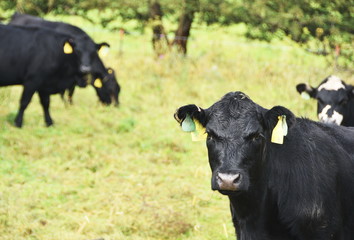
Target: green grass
[{"x": 130, "y": 172}]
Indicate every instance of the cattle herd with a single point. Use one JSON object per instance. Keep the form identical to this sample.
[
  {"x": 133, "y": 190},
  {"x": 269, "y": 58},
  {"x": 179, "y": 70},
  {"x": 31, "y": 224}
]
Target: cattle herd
[
  {"x": 286, "y": 178},
  {"x": 52, "y": 57}
]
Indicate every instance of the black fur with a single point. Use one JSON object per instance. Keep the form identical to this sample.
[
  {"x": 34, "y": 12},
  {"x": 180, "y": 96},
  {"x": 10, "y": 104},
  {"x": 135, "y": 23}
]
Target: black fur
[
  {"x": 35, "y": 58},
  {"x": 86, "y": 48},
  {"x": 302, "y": 189}
]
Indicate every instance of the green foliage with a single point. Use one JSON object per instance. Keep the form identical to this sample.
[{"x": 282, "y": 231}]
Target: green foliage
[{"x": 319, "y": 23}]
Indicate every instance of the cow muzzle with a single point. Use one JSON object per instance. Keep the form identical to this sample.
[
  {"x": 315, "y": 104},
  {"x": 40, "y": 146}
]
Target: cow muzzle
[
  {"x": 228, "y": 181},
  {"x": 85, "y": 69}
]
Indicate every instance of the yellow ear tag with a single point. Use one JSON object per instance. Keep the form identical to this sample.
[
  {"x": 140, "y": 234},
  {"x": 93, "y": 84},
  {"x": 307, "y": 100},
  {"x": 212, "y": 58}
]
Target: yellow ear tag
[
  {"x": 280, "y": 130},
  {"x": 68, "y": 49},
  {"x": 103, "y": 51},
  {"x": 97, "y": 83},
  {"x": 199, "y": 134},
  {"x": 110, "y": 71}
]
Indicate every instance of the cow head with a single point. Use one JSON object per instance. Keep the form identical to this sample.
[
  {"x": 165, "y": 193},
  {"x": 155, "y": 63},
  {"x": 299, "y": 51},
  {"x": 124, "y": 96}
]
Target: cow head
[
  {"x": 107, "y": 89},
  {"x": 87, "y": 51},
  {"x": 238, "y": 131},
  {"x": 332, "y": 97}
]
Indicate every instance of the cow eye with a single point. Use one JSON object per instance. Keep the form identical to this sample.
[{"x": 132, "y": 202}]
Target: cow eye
[
  {"x": 211, "y": 136},
  {"x": 255, "y": 136}
]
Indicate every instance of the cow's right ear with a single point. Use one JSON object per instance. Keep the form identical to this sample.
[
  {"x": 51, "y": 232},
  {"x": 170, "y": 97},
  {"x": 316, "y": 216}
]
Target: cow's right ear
[
  {"x": 306, "y": 91},
  {"x": 68, "y": 46},
  {"x": 192, "y": 119},
  {"x": 192, "y": 111}
]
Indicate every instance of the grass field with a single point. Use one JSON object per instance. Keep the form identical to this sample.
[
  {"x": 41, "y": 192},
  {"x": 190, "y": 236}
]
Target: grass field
[{"x": 130, "y": 172}]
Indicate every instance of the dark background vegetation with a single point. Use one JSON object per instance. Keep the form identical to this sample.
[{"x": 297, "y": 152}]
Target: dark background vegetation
[{"x": 330, "y": 24}]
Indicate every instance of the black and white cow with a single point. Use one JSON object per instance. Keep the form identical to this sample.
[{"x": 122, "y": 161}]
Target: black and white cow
[
  {"x": 36, "y": 59},
  {"x": 335, "y": 100},
  {"x": 286, "y": 178}
]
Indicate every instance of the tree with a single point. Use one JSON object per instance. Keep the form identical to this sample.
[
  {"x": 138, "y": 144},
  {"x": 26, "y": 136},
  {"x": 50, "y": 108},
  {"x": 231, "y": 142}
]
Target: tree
[
  {"x": 185, "y": 24},
  {"x": 160, "y": 41}
]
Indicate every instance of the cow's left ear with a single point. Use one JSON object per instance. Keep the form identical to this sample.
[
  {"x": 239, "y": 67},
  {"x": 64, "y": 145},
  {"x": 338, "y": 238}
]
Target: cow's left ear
[
  {"x": 68, "y": 46},
  {"x": 277, "y": 121}
]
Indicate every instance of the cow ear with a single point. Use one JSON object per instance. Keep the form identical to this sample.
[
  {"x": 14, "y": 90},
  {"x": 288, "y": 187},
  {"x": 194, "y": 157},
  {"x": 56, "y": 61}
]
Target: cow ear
[
  {"x": 192, "y": 111},
  {"x": 192, "y": 119},
  {"x": 306, "y": 90},
  {"x": 103, "y": 44},
  {"x": 68, "y": 46},
  {"x": 277, "y": 121},
  {"x": 103, "y": 49}
]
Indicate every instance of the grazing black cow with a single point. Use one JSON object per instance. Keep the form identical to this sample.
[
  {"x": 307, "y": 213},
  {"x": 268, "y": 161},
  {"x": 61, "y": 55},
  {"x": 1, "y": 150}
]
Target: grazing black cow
[
  {"x": 86, "y": 48},
  {"x": 36, "y": 59},
  {"x": 286, "y": 178},
  {"x": 107, "y": 89},
  {"x": 335, "y": 100}
]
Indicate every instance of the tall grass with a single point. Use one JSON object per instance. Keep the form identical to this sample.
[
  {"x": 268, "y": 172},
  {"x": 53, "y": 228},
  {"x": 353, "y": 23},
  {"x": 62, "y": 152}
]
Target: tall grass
[{"x": 129, "y": 172}]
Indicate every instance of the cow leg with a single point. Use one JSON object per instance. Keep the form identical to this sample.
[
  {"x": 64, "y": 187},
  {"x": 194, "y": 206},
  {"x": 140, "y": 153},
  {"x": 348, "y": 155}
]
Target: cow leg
[
  {"x": 62, "y": 95},
  {"x": 70, "y": 94},
  {"x": 45, "y": 100},
  {"x": 26, "y": 97}
]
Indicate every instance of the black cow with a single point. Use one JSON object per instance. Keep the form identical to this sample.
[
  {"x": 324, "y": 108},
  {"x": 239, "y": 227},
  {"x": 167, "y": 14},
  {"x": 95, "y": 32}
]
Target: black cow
[
  {"x": 107, "y": 89},
  {"x": 335, "y": 100},
  {"x": 300, "y": 186},
  {"x": 85, "y": 47},
  {"x": 35, "y": 58}
]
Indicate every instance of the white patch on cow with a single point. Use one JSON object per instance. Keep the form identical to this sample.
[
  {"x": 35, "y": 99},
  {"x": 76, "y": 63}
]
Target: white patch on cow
[
  {"x": 333, "y": 83},
  {"x": 336, "y": 117},
  {"x": 323, "y": 115}
]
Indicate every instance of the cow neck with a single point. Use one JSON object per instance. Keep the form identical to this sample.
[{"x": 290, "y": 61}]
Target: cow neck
[{"x": 348, "y": 119}]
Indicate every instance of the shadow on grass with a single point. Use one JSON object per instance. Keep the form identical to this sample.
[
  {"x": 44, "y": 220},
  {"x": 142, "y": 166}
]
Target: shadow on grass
[{"x": 10, "y": 118}]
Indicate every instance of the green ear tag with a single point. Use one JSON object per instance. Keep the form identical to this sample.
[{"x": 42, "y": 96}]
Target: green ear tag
[
  {"x": 188, "y": 124},
  {"x": 305, "y": 95}
]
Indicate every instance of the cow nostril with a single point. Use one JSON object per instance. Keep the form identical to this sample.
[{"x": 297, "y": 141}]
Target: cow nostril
[
  {"x": 237, "y": 178},
  {"x": 228, "y": 181}
]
